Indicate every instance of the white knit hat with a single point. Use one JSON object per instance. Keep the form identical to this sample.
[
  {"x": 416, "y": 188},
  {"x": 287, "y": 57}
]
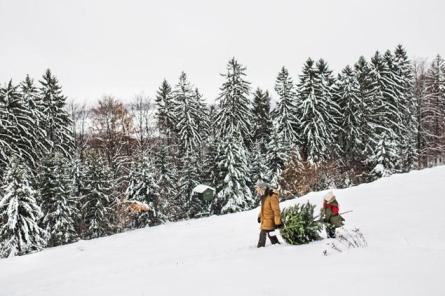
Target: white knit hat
[
  {"x": 261, "y": 184},
  {"x": 329, "y": 196}
]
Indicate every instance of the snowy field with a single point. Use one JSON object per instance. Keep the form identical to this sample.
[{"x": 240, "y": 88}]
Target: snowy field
[{"x": 402, "y": 217}]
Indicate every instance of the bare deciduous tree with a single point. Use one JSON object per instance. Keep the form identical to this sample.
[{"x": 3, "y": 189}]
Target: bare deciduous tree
[
  {"x": 80, "y": 115},
  {"x": 142, "y": 112},
  {"x": 112, "y": 128}
]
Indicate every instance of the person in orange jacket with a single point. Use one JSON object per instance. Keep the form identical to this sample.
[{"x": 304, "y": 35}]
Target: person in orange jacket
[{"x": 270, "y": 214}]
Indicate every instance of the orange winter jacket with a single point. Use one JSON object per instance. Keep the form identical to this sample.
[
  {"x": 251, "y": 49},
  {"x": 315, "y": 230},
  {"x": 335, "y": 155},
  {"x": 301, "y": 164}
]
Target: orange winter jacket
[{"x": 270, "y": 215}]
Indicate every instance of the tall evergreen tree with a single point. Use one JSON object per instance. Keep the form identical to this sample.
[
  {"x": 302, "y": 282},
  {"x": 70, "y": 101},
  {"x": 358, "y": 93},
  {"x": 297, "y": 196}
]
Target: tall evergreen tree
[
  {"x": 233, "y": 193},
  {"x": 350, "y": 101},
  {"x": 57, "y": 122},
  {"x": 78, "y": 177},
  {"x": 188, "y": 114},
  {"x": 165, "y": 106},
  {"x": 262, "y": 121},
  {"x": 19, "y": 135},
  {"x": 234, "y": 111},
  {"x": 210, "y": 167},
  {"x": 33, "y": 104},
  {"x": 59, "y": 206},
  {"x": 258, "y": 168},
  {"x": 143, "y": 187},
  {"x": 383, "y": 99},
  {"x": 404, "y": 71},
  {"x": 285, "y": 113},
  {"x": 318, "y": 112},
  {"x": 382, "y": 159},
  {"x": 191, "y": 121},
  {"x": 419, "y": 71},
  {"x": 327, "y": 93},
  {"x": 166, "y": 178},
  {"x": 277, "y": 154},
  {"x": 188, "y": 179},
  {"x": 20, "y": 232},
  {"x": 434, "y": 114},
  {"x": 203, "y": 117},
  {"x": 366, "y": 89},
  {"x": 97, "y": 212}
]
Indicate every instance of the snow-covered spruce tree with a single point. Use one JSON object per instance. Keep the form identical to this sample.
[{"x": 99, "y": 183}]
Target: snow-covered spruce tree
[
  {"x": 234, "y": 111},
  {"x": 97, "y": 200},
  {"x": 318, "y": 112},
  {"x": 78, "y": 171},
  {"x": 33, "y": 103},
  {"x": 262, "y": 122},
  {"x": 276, "y": 156},
  {"x": 385, "y": 119},
  {"x": 351, "y": 105},
  {"x": 300, "y": 225},
  {"x": 191, "y": 116},
  {"x": 59, "y": 206},
  {"x": 210, "y": 167},
  {"x": 9, "y": 97},
  {"x": 188, "y": 113},
  {"x": 383, "y": 157},
  {"x": 327, "y": 87},
  {"x": 20, "y": 232},
  {"x": 434, "y": 111},
  {"x": 203, "y": 117},
  {"x": 366, "y": 89},
  {"x": 233, "y": 193},
  {"x": 143, "y": 187},
  {"x": 57, "y": 122},
  {"x": 78, "y": 176},
  {"x": 19, "y": 135},
  {"x": 419, "y": 71},
  {"x": 166, "y": 178},
  {"x": 233, "y": 125},
  {"x": 205, "y": 132},
  {"x": 257, "y": 168},
  {"x": 259, "y": 171},
  {"x": 285, "y": 113},
  {"x": 165, "y": 117},
  {"x": 210, "y": 170},
  {"x": 191, "y": 173},
  {"x": 189, "y": 178},
  {"x": 404, "y": 70},
  {"x": 403, "y": 111}
]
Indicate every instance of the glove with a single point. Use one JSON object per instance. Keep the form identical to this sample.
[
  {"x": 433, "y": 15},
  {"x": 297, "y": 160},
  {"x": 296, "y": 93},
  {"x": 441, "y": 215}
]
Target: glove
[
  {"x": 280, "y": 225},
  {"x": 259, "y": 219}
]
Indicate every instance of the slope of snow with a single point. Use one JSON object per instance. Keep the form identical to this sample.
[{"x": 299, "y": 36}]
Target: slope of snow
[{"x": 402, "y": 217}]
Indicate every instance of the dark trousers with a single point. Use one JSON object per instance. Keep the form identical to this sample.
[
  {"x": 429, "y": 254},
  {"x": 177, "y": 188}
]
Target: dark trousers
[
  {"x": 262, "y": 239},
  {"x": 330, "y": 231}
]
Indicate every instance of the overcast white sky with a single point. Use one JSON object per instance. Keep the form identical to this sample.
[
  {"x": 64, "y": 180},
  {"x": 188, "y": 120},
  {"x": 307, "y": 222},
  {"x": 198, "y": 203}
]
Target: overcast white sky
[{"x": 128, "y": 47}]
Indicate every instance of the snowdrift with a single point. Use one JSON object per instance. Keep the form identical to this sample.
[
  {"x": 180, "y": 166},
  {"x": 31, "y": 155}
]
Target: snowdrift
[{"x": 402, "y": 218}]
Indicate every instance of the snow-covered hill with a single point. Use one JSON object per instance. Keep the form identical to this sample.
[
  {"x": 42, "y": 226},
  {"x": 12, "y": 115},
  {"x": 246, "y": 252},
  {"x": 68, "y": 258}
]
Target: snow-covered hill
[{"x": 402, "y": 217}]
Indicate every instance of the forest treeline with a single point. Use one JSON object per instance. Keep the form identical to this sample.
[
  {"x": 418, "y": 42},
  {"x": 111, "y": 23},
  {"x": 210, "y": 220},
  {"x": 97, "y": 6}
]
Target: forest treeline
[{"x": 69, "y": 172}]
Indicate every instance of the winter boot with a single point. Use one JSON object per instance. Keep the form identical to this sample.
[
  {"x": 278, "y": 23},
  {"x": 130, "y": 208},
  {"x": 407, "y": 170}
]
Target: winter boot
[
  {"x": 330, "y": 231},
  {"x": 274, "y": 239}
]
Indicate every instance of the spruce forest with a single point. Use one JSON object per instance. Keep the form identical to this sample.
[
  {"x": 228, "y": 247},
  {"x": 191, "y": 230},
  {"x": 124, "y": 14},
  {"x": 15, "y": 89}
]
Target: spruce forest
[{"x": 70, "y": 172}]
